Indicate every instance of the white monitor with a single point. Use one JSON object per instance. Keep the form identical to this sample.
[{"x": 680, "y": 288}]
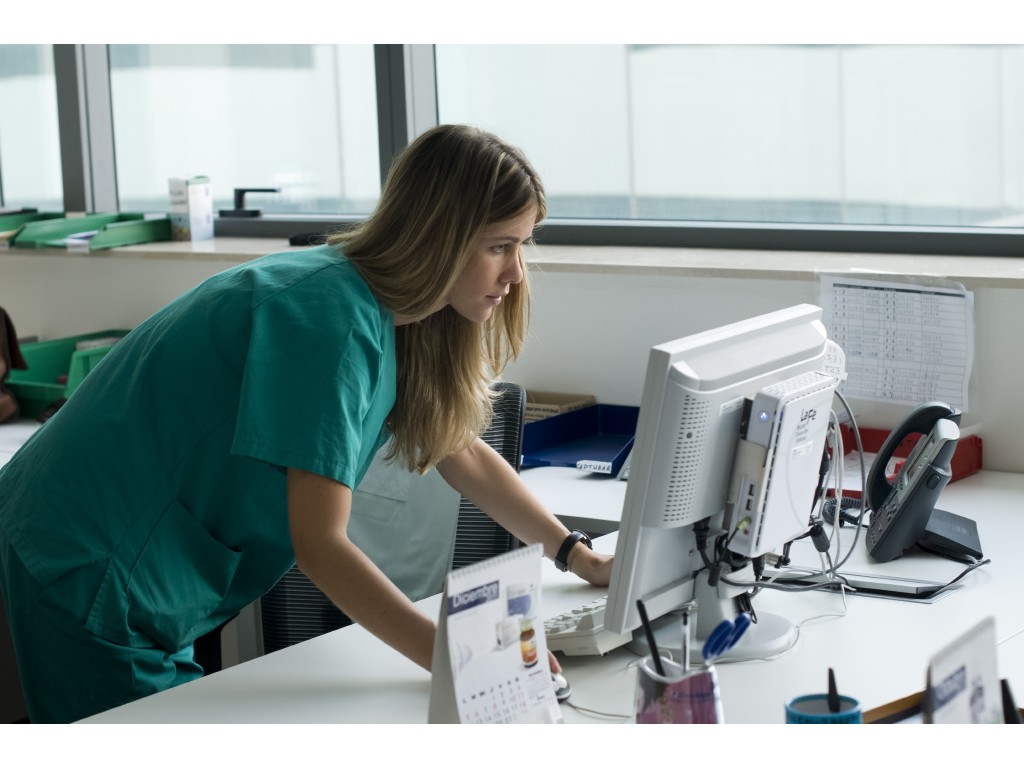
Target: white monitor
[{"x": 696, "y": 393}]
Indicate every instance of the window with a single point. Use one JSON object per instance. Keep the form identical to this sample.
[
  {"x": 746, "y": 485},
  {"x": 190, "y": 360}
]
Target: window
[
  {"x": 892, "y": 148},
  {"x": 30, "y": 170},
  {"x": 298, "y": 118},
  {"x": 916, "y": 135}
]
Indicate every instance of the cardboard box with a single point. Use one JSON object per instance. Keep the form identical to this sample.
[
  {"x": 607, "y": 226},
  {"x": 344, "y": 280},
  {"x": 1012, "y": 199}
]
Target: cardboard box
[
  {"x": 544, "y": 405},
  {"x": 191, "y": 208}
]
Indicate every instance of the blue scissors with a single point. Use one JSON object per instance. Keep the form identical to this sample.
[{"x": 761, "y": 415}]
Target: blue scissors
[{"x": 725, "y": 636}]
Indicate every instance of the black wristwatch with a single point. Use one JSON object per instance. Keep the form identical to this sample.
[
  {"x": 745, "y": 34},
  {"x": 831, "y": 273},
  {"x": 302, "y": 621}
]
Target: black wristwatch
[{"x": 562, "y": 558}]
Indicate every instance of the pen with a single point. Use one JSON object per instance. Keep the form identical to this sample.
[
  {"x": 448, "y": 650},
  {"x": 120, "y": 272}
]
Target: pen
[
  {"x": 833, "y": 692},
  {"x": 686, "y": 642},
  {"x": 650, "y": 638}
]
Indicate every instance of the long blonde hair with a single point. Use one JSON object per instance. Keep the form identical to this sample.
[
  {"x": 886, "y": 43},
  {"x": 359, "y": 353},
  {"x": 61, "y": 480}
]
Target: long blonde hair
[{"x": 441, "y": 192}]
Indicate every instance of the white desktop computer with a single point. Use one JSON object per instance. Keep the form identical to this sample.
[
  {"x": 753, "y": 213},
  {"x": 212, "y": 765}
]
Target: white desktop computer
[{"x": 725, "y": 465}]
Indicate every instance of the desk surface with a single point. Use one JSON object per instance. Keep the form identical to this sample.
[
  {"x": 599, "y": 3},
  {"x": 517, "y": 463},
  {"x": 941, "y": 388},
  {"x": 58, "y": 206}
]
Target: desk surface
[
  {"x": 583, "y": 500},
  {"x": 13, "y": 435},
  {"x": 878, "y": 648}
]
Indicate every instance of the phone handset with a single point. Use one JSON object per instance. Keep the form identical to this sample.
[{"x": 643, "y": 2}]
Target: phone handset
[{"x": 900, "y": 510}]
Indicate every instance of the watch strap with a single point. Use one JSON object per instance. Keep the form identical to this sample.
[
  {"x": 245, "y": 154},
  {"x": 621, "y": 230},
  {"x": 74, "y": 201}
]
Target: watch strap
[{"x": 562, "y": 558}]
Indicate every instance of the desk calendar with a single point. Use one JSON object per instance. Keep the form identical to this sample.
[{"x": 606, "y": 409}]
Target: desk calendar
[{"x": 490, "y": 659}]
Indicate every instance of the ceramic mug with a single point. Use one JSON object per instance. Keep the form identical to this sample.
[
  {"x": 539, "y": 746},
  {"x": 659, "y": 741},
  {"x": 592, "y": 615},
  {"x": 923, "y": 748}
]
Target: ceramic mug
[{"x": 814, "y": 708}]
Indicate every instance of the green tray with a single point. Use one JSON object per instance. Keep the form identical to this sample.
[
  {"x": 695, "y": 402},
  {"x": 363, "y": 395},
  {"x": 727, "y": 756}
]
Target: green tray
[
  {"x": 11, "y": 224},
  {"x": 9, "y": 221},
  {"x": 111, "y": 230},
  {"x": 39, "y": 386}
]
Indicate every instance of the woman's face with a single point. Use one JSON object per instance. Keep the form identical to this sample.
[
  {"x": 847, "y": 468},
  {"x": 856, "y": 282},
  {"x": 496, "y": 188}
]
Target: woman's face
[{"x": 494, "y": 265}]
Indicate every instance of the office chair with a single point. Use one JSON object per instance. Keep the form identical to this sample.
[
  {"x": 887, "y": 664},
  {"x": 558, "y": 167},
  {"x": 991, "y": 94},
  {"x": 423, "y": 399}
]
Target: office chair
[
  {"x": 477, "y": 537},
  {"x": 296, "y": 610}
]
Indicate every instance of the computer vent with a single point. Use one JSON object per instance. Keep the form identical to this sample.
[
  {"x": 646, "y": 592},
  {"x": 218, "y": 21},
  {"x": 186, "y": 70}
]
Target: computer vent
[
  {"x": 799, "y": 383},
  {"x": 687, "y": 463}
]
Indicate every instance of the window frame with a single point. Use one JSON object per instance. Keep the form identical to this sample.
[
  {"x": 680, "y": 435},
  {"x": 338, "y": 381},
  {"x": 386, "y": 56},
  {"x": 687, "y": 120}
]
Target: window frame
[{"x": 407, "y": 106}]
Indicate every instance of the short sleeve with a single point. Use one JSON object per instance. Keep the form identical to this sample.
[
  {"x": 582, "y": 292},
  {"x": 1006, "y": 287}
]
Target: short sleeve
[{"x": 318, "y": 382}]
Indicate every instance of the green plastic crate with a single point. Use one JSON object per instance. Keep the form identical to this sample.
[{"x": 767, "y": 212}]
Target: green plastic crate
[
  {"x": 9, "y": 221},
  {"x": 40, "y": 386},
  {"x": 12, "y": 223},
  {"x": 111, "y": 230}
]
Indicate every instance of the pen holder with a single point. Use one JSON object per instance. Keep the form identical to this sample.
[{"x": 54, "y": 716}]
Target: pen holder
[
  {"x": 814, "y": 708},
  {"x": 676, "y": 697}
]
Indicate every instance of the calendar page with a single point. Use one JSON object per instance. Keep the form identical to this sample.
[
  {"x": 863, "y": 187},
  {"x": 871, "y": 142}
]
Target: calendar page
[
  {"x": 963, "y": 679},
  {"x": 490, "y": 658}
]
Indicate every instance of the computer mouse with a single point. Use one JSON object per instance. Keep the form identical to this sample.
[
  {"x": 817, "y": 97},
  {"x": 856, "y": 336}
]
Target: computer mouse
[{"x": 562, "y": 688}]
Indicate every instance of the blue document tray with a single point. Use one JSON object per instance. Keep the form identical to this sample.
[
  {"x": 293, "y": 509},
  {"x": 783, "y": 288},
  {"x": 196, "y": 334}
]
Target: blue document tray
[{"x": 597, "y": 438}]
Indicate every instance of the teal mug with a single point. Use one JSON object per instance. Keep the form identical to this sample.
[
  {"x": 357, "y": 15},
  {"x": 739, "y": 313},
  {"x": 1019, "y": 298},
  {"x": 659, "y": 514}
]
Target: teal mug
[{"x": 814, "y": 708}]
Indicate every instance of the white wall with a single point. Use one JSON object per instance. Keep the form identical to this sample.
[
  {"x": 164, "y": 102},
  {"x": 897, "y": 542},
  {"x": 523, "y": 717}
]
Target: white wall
[{"x": 590, "y": 332}]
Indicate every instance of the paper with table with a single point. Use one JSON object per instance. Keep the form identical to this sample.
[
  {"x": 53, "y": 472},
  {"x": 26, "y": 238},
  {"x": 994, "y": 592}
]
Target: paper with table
[
  {"x": 490, "y": 660},
  {"x": 904, "y": 342}
]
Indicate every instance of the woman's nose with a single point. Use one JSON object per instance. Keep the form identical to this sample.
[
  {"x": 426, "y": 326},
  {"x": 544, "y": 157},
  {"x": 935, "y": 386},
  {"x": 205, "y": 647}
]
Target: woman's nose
[{"x": 514, "y": 273}]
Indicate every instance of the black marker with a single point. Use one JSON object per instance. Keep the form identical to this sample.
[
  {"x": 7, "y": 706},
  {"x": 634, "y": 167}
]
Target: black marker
[
  {"x": 650, "y": 638},
  {"x": 686, "y": 642},
  {"x": 833, "y": 692}
]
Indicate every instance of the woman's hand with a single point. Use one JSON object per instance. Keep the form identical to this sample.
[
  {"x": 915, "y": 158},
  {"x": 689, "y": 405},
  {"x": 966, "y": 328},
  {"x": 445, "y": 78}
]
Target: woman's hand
[
  {"x": 556, "y": 668},
  {"x": 591, "y": 566}
]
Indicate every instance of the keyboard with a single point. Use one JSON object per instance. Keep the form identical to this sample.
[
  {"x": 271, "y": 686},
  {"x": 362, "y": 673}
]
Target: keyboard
[{"x": 581, "y": 632}]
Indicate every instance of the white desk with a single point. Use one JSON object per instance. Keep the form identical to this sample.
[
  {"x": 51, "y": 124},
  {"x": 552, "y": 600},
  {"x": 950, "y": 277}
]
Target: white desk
[
  {"x": 13, "y": 435},
  {"x": 878, "y": 650},
  {"x": 589, "y": 502}
]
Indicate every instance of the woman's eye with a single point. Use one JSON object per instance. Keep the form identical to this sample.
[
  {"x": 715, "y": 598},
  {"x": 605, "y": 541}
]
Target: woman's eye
[{"x": 500, "y": 248}]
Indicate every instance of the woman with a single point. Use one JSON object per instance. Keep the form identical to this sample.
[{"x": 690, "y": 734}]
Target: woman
[{"x": 220, "y": 441}]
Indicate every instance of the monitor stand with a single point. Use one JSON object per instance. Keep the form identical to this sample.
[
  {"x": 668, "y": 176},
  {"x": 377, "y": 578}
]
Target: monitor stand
[{"x": 770, "y": 636}]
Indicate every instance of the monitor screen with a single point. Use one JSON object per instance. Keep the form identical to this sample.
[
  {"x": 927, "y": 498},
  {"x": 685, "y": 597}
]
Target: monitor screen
[{"x": 698, "y": 401}]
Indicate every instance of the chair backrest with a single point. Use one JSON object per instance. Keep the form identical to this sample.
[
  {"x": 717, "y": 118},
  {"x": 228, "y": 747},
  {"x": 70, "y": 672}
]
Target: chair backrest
[
  {"x": 478, "y": 537},
  {"x": 296, "y": 610}
]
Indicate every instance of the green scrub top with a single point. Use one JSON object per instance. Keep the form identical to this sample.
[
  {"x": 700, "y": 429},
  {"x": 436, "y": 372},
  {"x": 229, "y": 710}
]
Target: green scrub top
[{"x": 157, "y": 494}]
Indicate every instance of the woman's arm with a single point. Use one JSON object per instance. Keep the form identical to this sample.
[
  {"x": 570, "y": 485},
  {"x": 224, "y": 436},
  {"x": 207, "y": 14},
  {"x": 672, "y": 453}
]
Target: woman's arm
[
  {"x": 318, "y": 515},
  {"x": 481, "y": 475}
]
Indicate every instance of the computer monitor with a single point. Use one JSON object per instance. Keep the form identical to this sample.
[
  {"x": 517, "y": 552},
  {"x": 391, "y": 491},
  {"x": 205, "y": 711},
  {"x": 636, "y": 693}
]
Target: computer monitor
[{"x": 699, "y": 393}]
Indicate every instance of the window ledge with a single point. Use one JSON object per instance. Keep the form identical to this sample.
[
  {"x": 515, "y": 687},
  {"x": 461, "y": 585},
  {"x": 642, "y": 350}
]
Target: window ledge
[
  {"x": 235, "y": 249},
  {"x": 972, "y": 271}
]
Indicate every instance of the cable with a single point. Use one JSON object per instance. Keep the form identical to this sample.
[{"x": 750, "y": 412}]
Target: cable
[
  {"x": 863, "y": 479},
  {"x": 782, "y": 586},
  {"x": 846, "y": 610},
  {"x": 976, "y": 564},
  {"x": 840, "y": 582},
  {"x": 597, "y": 713},
  {"x": 609, "y": 715},
  {"x": 846, "y": 517},
  {"x": 837, "y": 493}
]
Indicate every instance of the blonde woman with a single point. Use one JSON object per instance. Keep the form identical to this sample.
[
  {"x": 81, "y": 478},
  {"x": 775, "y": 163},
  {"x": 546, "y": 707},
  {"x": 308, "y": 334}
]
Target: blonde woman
[{"x": 220, "y": 441}]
